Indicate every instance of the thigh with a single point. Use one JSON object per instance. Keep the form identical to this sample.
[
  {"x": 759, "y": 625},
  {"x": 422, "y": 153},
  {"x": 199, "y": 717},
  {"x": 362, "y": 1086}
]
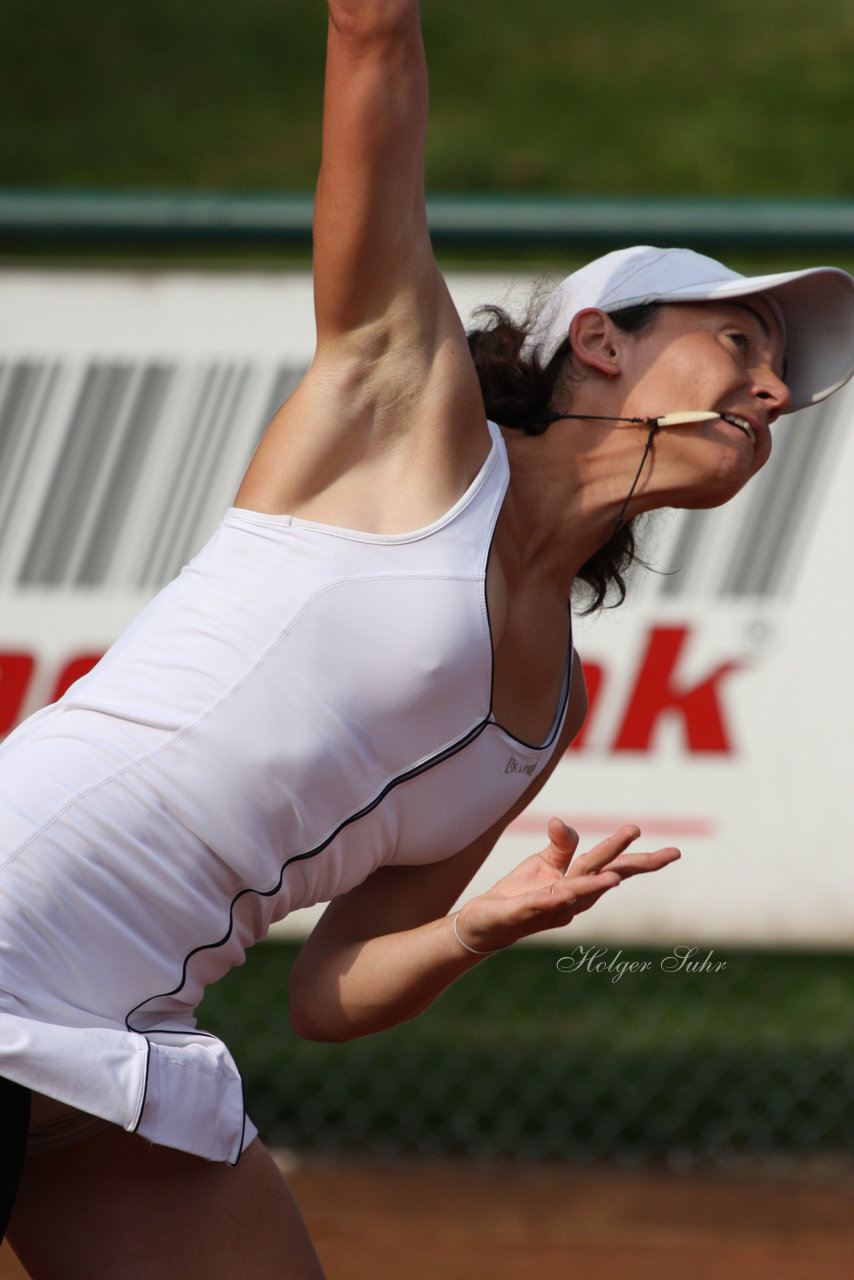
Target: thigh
[{"x": 116, "y": 1207}]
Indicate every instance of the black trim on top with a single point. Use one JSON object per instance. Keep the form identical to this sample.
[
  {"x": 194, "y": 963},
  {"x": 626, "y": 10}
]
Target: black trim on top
[
  {"x": 445, "y": 754},
  {"x": 471, "y": 735},
  {"x": 563, "y": 697}
]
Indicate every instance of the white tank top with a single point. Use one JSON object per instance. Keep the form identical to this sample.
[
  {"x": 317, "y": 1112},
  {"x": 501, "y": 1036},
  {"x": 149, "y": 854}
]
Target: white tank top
[{"x": 302, "y": 705}]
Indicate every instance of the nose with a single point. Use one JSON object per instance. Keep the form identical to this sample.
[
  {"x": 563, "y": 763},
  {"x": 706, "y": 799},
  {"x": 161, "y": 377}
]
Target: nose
[{"x": 772, "y": 391}]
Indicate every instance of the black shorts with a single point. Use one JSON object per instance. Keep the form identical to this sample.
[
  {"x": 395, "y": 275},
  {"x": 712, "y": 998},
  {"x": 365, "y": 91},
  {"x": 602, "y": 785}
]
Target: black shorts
[{"x": 14, "y": 1124}]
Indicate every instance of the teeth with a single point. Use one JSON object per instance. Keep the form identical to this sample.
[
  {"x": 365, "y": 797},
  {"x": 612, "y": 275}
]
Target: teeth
[{"x": 745, "y": 427}]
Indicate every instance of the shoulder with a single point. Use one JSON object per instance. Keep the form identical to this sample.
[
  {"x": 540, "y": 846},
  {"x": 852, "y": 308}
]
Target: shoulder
[{"x": 384, "y": 434}]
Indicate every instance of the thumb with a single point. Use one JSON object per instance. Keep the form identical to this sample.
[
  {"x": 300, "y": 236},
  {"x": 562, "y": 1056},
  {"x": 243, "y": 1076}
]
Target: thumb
[{"x": 563, "y": 842}]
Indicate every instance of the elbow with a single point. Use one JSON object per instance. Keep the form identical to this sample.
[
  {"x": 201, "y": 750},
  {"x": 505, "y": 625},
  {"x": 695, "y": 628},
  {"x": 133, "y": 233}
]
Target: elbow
[
  {"x": 308, "y": 1026},
  {"x": 361, "y": 20},
  {"x": 313, "y": 1013}
]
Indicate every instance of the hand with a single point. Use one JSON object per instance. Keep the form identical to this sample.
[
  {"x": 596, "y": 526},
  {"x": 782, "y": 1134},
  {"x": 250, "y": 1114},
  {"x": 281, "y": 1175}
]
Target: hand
[{"x": 549, "y": 889}]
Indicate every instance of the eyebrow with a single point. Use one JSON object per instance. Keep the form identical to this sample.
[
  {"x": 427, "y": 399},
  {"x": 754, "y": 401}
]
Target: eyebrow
[{"x": 763, "y": 323}]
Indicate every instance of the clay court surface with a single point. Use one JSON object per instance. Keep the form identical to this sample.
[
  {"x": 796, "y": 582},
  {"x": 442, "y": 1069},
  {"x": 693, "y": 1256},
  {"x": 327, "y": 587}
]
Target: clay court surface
[{"x": 464, "y": 1222}]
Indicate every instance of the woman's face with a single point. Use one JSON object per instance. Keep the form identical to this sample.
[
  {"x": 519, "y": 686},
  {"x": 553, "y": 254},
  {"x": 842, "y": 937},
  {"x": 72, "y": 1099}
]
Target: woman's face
[{"x": 727, "y": 357}]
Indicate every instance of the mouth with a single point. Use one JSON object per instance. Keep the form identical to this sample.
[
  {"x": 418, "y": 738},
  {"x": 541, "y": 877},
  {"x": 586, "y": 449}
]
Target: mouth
[{"x": 743, "y": 425}]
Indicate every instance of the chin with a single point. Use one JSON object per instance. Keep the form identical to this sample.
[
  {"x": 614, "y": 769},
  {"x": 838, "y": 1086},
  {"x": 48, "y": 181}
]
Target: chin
[
  {"x": 716, "y": 489},
  {"x": 715, "y": 492},
  {"x": 706, "y": 502}
]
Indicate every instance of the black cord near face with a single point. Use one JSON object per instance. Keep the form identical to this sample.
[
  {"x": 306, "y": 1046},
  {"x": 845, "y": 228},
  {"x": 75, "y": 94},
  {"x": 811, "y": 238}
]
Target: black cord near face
[{"x": 685, "y": 419}]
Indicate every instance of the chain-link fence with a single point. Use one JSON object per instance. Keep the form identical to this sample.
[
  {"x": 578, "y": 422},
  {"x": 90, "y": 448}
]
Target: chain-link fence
[{"x": 589, "y": 1053}]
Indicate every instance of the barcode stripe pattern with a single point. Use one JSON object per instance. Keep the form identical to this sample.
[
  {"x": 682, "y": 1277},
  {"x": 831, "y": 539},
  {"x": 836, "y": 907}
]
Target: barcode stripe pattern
[{"x": 112, "y": 474}]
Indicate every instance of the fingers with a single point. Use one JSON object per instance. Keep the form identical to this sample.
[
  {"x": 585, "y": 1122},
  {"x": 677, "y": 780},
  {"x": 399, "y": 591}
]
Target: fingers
[
  {"x": 615, "y": 866},
  {"x": 635, "y": 864},
  {"x": 563, "y": 842},
  {"x": 547, "y": 890},
  {"x": 604, "y": 866},
  {"x": 610, "y": 854},
  {"x": 604, "y": 853}
]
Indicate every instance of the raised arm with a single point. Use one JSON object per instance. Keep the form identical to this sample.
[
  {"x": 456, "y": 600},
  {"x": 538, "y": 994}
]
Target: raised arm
[{"x": 388, "y": 427}]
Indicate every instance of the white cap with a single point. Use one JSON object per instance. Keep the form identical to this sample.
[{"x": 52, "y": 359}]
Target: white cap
[{"x": 817, "y": 307}]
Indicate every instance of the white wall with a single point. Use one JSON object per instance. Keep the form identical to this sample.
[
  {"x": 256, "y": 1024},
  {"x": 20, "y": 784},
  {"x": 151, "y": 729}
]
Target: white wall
[{"x": 722, "y": 718}]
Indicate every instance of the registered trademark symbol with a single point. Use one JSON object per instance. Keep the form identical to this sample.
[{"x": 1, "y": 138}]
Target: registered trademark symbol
[{"x": 759, "y": 632}]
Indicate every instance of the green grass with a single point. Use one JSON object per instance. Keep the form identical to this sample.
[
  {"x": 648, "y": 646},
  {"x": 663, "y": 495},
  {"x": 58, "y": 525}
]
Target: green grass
[
  {"x": 520, "y": 1060},
  {"x": 711, "y": 97}
]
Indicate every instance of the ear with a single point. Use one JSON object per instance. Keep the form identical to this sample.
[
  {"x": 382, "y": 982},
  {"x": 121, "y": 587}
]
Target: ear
[{"x": 593, "y": 336}]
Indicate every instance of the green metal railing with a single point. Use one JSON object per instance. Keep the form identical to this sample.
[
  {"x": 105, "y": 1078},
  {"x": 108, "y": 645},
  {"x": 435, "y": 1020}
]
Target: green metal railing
[{"x": 29, "y": 218}]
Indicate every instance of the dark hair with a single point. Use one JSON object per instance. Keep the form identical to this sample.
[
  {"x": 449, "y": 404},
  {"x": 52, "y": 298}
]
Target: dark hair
[{"x": 518, "y": 392}]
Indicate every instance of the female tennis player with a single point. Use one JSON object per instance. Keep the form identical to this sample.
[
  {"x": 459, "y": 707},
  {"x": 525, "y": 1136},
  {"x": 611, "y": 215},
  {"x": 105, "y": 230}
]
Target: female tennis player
[{"x": 353, "y": 688}]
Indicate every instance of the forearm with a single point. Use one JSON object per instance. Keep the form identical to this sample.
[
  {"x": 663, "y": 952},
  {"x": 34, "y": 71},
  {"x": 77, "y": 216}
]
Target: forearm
[
  {"x": 369, "y": 986},
  {"x": 370, "y": 225},
  {"x": 354, "y": 977}
]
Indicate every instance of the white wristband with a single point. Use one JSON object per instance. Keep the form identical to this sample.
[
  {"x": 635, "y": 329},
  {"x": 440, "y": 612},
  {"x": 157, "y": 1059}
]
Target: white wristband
[{"x": 473, "y": 950}]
